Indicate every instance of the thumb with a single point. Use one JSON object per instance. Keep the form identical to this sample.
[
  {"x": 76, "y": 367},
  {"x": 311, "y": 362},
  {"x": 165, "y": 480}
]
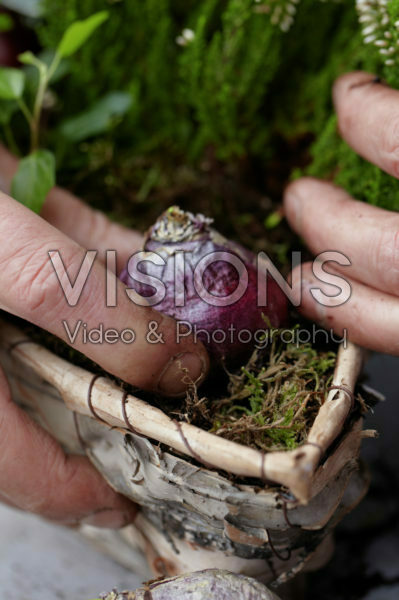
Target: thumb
[
  {"x": 29, "y": 288},
  {"x": 36, "y": 475}
]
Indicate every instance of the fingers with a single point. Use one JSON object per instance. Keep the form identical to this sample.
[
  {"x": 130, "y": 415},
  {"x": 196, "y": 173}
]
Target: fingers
[
  {"x": 36, "y": 476},
  {"x": 89, "y": 228},
  {"x": 368, "y": 118},
  {"x": 330, "y": 220},
  {"x": 327, "y": 218},
  {"x": 30, "y": 289},
  {"x": 369, "y": 318}
]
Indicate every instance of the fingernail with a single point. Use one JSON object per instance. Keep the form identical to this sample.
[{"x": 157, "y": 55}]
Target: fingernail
[
  {"x": 180, "y": 371},
  {"x": 364, "y": 82},
  {"x": 110, "y": 518},
  {"x": 293, "y": 206}
]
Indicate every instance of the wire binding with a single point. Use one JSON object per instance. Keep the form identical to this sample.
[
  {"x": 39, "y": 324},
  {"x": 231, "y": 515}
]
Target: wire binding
[
  {"x": 90, "y": 401},
  {"x": 125, "y": 417},
  {"x": 346, "y": 390},
  {"x": 275, "y": 552},
  {"x": 285, "y": 502},
  {"x": 192, "y": 452}
]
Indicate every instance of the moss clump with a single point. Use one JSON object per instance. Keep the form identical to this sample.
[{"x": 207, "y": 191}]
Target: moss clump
[
  {"x": 334, "y": 159},
  {"x": 273, "y": 400},
  {"x": 378, "y": 52}
]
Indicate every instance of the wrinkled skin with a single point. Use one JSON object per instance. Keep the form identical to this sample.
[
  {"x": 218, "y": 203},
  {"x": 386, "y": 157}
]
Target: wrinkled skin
[
  {"x": 202, "y": 585},
  {"x": 328, "y": 218},
  {"x": 35, "y": 473}
]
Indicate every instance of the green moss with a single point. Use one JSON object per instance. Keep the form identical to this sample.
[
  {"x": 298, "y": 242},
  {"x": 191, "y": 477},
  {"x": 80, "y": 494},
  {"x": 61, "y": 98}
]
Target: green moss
[
  {"x": 230, "y": 86},
  {"x": 231, "y": 90},
  {"x": 273, "y": 401}
]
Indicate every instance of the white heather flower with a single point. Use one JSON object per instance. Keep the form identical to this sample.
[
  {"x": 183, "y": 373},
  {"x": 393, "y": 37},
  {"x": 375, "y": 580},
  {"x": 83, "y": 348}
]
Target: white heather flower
[
  {"x": 286, "y": 23},
  {"x": 374, "y": 15},
  {"x": 186, "y": 36},
  {"x": 281, "y": 12},
  {"x": 368, "y": 30},
  {"x": 365, "y": 18}
]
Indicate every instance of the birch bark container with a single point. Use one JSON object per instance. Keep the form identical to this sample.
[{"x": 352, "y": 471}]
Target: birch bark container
[{"x": 206, "y": 502}]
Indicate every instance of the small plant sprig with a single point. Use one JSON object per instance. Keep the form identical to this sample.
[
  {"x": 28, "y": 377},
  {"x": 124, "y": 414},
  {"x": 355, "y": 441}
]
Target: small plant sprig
[
  {"x": 36, "y": 172},
  {"x": 379, "y": 27},
  {"x": 282, "y": 12}
]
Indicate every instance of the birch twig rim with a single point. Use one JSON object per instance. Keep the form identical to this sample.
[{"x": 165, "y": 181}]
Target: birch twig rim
[{"x": 294, "y": 469}]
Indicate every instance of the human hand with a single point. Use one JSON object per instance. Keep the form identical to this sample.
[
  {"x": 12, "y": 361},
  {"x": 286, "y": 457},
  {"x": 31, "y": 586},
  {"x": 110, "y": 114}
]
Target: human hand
[
  {"x": 327, "y": 218},
  {"x": 35, "y": 474}
]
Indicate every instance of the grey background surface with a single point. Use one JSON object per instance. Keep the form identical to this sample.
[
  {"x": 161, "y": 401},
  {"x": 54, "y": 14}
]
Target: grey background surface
[{"x": 41, "y": 561}]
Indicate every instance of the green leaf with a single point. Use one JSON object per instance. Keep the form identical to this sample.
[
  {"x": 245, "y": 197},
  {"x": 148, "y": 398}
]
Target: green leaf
[
  {"x": 28, "y": 58},
  {"x": 97, "y": 119},
  {"x": 273, "y": 219},
  {"x": 12, "y": 82},
  {"x": 34, "y": 179},
  {"x": 77, "y": 33},
  {"x": 6, "y": 22},
  {"x": 7, "y": 109}
]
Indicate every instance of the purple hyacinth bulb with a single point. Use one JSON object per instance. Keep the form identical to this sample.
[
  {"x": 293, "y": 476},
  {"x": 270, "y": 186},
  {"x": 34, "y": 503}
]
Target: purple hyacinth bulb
[
  {"x": 210, "y": 283},
  {"x": 212, "y": 584}
]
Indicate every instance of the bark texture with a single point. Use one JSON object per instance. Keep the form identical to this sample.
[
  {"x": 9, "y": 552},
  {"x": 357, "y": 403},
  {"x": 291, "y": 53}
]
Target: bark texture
[{"x": 196, "y": 517}]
